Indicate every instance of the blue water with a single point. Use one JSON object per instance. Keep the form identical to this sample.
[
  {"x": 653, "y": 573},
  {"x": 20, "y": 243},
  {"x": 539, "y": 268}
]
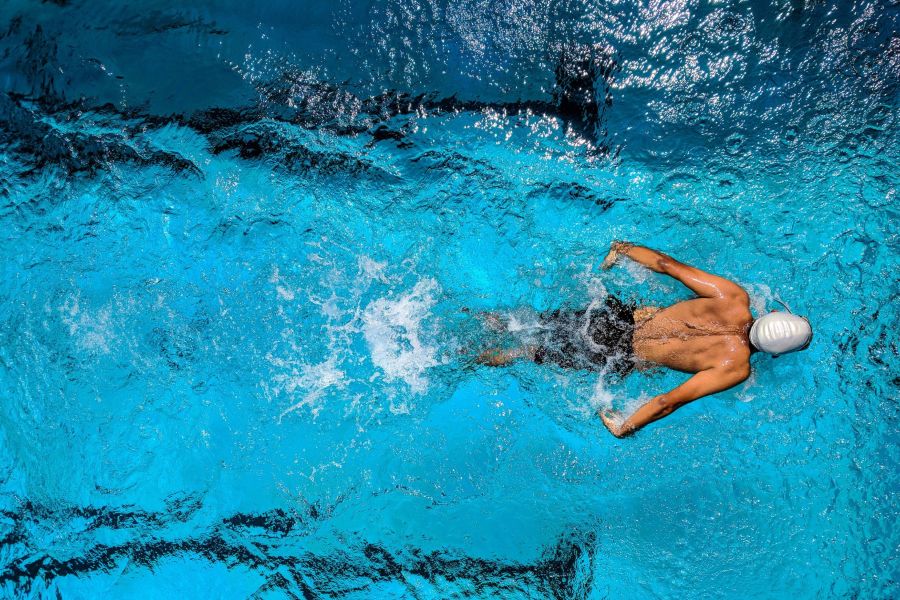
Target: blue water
[{"x": 237, "y": 242}]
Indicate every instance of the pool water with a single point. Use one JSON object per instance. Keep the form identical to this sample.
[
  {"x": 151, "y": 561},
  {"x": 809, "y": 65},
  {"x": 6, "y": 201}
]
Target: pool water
[{"x": 242, "y": 250}]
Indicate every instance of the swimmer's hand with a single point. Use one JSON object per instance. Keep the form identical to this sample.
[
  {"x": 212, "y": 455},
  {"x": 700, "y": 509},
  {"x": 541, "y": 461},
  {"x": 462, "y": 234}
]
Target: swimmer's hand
[
  {"x": 615, "y": 249},
  {"x": 613, "y": 422}
]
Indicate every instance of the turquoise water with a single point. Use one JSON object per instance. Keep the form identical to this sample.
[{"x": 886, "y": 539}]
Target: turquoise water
[{"x": 237, "y": 246}]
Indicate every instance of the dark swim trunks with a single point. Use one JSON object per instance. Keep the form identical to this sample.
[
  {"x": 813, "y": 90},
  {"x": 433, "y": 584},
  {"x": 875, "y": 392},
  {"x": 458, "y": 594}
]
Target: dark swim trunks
[{"x": 598, "y": 338}]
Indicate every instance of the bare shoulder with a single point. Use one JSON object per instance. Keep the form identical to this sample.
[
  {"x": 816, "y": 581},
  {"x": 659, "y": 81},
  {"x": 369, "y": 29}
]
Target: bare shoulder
[
  {"x": 734, "y": 310},
  {"x": 740, "y": 312},
  {"x": 736, "y": 306},
  {"x": 738, "y": 295},
  {"x": 735, "y": 366}
]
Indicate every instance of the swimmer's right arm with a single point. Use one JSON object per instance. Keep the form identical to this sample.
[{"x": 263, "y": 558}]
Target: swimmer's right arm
[
  {"x": 700, "y": 282},
  {"x": 704, "y": 383}
]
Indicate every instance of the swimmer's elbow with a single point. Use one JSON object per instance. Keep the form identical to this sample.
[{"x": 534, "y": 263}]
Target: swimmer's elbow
[
  {"x": 741, "y": 373},
  {"x": 665, "y": 404},
  {"x": 665, "y": 264}
]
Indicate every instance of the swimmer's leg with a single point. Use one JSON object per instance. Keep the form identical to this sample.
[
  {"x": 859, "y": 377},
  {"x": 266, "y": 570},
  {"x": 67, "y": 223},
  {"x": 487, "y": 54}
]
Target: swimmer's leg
[
  {"x": 494, "y": 321},
  {"x": 500, "y": 357}
]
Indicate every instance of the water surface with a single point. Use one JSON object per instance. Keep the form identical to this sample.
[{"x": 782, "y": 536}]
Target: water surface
[{"x": 237, "y": 245}]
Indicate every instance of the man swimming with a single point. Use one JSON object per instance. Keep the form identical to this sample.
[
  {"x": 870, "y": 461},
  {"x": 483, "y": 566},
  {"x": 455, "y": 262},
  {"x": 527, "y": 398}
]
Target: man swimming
[{"x": 711, "y": 336}]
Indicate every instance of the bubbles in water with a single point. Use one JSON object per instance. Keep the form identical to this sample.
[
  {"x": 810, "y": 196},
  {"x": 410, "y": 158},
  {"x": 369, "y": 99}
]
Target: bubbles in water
[
  {"x": 91, "y": 330},
  {"x": 397, "y": 339},
  {"x": 602, "y": 397},
  {"x": 637, "y": 272},
  {"x": 744, "y": 394},
  {"x": 760, "y": 297},
  {"x": 522, "y": 321},
  {"x": 790, "y": 136},
  {"x": 314, "y": 380}
]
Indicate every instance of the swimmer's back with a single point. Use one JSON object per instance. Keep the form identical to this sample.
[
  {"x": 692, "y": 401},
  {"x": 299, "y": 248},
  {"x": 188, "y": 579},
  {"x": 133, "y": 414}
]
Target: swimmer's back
[{"x": 696, "y": 335}]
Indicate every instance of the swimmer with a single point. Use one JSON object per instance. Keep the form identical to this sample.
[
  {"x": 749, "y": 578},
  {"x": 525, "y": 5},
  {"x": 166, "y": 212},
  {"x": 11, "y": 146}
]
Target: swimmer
[{"x": 711, "y": 336}]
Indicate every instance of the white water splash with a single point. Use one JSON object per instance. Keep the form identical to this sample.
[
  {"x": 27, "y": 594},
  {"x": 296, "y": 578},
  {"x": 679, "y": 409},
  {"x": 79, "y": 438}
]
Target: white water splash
[
  {"x": 638, "y": 272},
  {"x": 523, "y": 321},
  {"x": 308, "y": 384},
  {"x": 760, "y": 297},
  {"x": 592, "y": 280},
  {"x": 313, "y": 380},
  {"x": 284, "y": 292},
  {"x": 370, "y": 270},
  {"x": 91, "y": 330},
  {"x": 745, "y": 394},
  {"x": 393, "y": 330},
  {"x": 602, "y": 397}
]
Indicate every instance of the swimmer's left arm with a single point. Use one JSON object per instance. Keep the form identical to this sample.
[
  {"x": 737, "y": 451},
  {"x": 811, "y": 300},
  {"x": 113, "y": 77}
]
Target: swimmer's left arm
[
  {"x": 705, "y": 285},
  {"x": 702, "y": 384}
]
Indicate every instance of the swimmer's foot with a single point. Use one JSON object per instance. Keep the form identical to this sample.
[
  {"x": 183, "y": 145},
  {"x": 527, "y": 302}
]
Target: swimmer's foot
[
  {"x": 493, "y": 321},
  {"x": 498, "y": 357},
  {"x": 494, "y": 357}
]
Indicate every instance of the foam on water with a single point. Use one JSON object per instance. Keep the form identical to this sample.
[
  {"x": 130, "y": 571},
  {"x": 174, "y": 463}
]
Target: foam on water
[
  {"x": 309, "y": 381},
  {"x": 761, "y": 298},
  {"x": 399, "y": 338},
  {"x": 522, "y": 321},
  {"x": 602, "y": 397},
  {"x": 92, "y": 330}
]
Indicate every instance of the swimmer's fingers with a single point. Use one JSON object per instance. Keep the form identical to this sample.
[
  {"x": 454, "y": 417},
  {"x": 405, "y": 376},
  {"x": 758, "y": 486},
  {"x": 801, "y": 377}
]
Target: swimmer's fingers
[
  {"x": 610, "y": 259},
  {"x": 611, "y": 422},
  {"x": 615, "y": 249}
]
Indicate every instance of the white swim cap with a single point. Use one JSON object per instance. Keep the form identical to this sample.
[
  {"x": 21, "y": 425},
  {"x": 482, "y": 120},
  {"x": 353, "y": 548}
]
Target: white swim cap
[{"x": 780, "y": 332}]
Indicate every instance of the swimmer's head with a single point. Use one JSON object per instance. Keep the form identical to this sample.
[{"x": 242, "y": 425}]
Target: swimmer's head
[{"x": 780, "y": 333}]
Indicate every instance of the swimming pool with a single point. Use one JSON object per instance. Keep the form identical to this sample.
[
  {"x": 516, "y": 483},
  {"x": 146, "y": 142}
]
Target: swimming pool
[{"x": 237, "y": 246}]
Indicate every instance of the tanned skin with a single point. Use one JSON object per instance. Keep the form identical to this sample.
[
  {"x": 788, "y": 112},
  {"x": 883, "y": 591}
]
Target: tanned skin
[{"x": 707, "y": 336}]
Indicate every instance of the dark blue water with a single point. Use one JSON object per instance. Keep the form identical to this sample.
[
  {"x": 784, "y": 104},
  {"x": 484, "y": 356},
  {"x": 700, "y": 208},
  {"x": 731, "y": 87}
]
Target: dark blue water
[{"x": 238, "y": 242}]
